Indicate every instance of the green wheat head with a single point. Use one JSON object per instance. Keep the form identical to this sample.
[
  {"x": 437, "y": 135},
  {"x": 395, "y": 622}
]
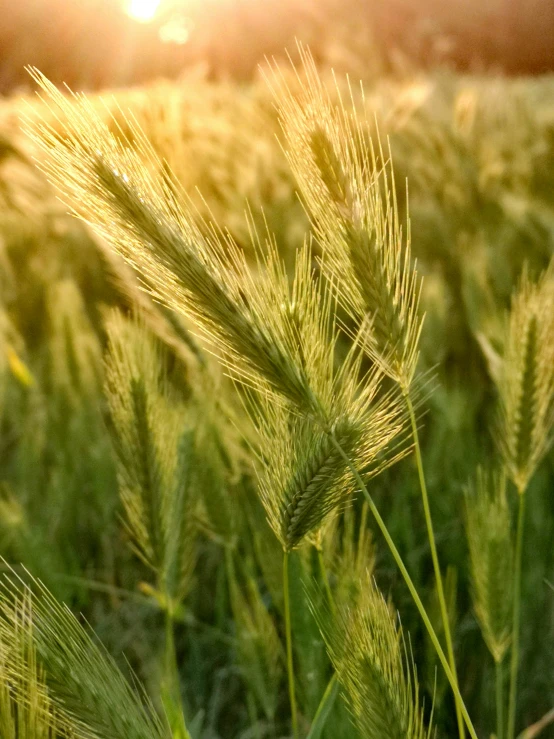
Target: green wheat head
[
  {"x": 526, "y": 380},
  {"x": 302, "y": 478},
  {"x": 488, "y": 524},
  {"x": 367, "y": 650},
  {"x": 155, "y": 454}
]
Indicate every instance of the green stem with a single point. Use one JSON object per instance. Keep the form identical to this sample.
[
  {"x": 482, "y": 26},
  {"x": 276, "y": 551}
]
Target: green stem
[
  {"x": 324, "y": 708},
  {"x": 288, "y": 632},
  {"x": 408, "y": 580},
  {"x": 325, "y": 579},
  {"x": 499, "y": 678},
  {"x": 516, "y": 617},
  {"x": 174, "y": 704},
  {"x": 436, "y": 565}
]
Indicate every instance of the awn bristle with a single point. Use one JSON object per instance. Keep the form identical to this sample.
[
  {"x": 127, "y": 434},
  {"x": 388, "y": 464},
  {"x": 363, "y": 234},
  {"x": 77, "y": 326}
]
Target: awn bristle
[{"x": 26, "y": 711}]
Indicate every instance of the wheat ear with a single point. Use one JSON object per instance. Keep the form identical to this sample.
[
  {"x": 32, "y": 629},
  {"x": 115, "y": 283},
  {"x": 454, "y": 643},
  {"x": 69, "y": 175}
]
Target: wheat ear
[{"x": 488, "y": 524}]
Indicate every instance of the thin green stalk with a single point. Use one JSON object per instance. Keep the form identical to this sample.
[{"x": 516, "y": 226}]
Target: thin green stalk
[
  {"x": 516, "y": 617},
  {"x": 170, "y": 690},
  {"x": 499, "y": 678},
  {"x": 411, "y": 587},
  {"x": 324, "y": 709},
  {"x": 436, "y": 565},
  {"x": 288, "y": 632},
  {"x": 325, "y": 579}
]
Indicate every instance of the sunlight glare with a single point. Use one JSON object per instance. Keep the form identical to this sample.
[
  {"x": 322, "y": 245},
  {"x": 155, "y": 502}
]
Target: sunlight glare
[{"x": 142, "y": 10}]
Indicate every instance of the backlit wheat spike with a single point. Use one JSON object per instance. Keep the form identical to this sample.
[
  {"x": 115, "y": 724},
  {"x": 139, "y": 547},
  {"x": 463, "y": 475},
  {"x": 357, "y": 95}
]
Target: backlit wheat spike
[
  {"x": 129, "y": 203},
  {"x": 350, "y": 200},
  {"x": 303, "y": 479},
  {"x": 367, "y": 650},
  {"x": 526, "y": 380},
  {"x": 491, "y": 554},
  {"x": 86, "y": 689}
]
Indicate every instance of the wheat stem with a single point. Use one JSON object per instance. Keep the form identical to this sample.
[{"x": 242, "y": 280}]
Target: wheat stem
[
  {"x": 324, "y": 709},
  {"x": 516, "y": 617},
  {"x": 171, "y": 678},
  {"x": 436, "y": 565},
  {"x": 411, "y": 587},
  {"x": 288, "y": 633},
  {"x": 499, "y": 678}
]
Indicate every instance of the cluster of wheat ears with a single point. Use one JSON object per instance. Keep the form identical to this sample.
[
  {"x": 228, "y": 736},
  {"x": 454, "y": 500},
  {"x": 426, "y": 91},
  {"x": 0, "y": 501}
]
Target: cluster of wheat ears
[{"x": 326, "y": 421}]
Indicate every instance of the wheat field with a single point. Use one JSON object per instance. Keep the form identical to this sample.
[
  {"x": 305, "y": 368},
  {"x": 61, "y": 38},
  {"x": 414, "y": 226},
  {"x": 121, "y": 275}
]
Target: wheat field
[{"x": 276, "y": 404}]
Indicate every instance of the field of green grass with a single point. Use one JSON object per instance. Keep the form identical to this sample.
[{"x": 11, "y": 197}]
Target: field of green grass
[{"x": 76, "y": 324}]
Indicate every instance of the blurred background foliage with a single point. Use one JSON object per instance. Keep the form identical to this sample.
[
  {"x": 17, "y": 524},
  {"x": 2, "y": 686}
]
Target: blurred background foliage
[
  {"x": 94, "y": 43},
  {"x": 477, "y": 152}
]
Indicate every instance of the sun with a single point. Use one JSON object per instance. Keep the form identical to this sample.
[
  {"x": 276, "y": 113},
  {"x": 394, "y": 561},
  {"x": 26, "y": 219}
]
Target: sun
[{"x": 142, "y": 10}]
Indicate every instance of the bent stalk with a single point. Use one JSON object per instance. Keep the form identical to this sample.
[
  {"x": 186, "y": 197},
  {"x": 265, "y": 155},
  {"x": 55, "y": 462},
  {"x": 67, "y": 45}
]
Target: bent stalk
[{"x": 436, "y": 565}]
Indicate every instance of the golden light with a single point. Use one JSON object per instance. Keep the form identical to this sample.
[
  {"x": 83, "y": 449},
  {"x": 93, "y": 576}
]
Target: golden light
[{"x": 142, "y": 10}]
